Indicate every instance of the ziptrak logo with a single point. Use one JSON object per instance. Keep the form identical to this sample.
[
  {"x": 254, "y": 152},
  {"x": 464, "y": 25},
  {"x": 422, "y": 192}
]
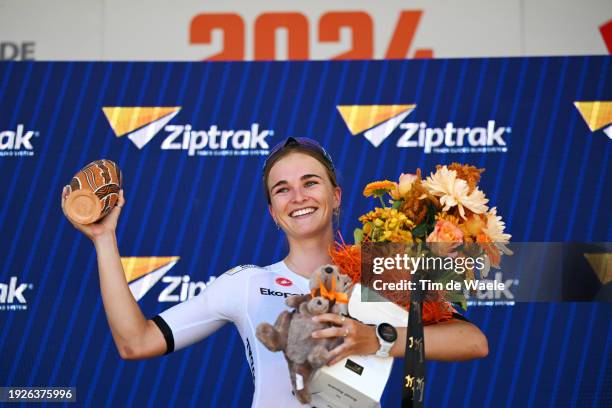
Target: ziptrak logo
[
  {"x": 142, "y": 273},
  {"x": 13, "y": 295},
  {"x": 18, "y": 142},
  {"x": 491, "y": 297},
  {"x": 378, "y": 122},
  {"x": 141, "y": 124},
  {"x": 597, "y": 115}
]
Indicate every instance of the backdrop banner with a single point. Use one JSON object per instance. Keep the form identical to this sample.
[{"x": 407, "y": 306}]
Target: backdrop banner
[{"x": 191, "y": 139}]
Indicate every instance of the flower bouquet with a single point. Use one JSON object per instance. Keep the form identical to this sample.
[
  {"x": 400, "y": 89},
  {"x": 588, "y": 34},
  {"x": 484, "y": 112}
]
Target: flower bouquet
[{"x": 443, "y": 216}]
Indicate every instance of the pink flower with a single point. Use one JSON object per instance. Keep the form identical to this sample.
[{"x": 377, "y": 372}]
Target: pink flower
[{"x": 445, "y": 237}]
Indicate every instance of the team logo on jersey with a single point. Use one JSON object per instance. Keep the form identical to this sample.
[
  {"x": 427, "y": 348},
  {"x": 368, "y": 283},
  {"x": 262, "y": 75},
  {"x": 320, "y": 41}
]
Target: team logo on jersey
[
  {"x": 270, "y": 292},
  {"x": 239, "y": 268},
  {"x": 283, "y": 281},
  {"x": 378, "y": 122},
  {"x": 597, "y": 115}
]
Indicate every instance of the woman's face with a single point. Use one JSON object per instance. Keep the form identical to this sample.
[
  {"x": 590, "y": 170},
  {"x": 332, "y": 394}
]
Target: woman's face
[{"x": 302, "y": 198}]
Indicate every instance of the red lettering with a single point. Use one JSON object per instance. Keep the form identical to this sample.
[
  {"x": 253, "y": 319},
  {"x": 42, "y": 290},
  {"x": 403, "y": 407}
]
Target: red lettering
[
  {"x": 202, "y": 26},
  {"x": 606, "y": 33},
  {"x": 404, "y": 34},
  {"x": 360, "y": 24},
  {"x": 297, "y": 28},
  {"x": 266, "y": 26}
]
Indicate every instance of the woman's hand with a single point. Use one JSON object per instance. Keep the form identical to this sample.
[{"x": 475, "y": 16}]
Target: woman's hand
[
  {"x": 359, "y": 338},
  {"x": 106, "y": 225},
  {"x": 453, "y": 340}
]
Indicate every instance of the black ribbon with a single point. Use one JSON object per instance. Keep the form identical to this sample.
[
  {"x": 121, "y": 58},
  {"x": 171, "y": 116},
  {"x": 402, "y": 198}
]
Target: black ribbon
[{"x": 413, "y": 392}]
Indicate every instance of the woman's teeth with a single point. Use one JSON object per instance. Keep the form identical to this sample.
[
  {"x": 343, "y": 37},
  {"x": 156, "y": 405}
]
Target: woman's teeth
[{"x": 303, "y": 211}]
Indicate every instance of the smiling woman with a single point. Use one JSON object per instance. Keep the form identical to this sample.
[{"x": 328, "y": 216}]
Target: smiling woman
[
  {"x": 302, "y": 202},
  {"x": 303, "y": 197}
]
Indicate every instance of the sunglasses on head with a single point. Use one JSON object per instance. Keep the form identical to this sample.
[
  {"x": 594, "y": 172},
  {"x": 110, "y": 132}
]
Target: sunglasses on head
[{"x": 303, "y": 142}]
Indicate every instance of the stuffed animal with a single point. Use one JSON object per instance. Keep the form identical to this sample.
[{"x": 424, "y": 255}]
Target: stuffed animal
[
  {"x": 344, "y": 284},
  {"x": 292, "y": 331},
  {"x": 327, "y": 281},
  {"x": 291, "y": 334}
]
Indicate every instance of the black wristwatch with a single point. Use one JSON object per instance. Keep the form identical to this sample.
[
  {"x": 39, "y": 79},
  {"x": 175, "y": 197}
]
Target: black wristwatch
[{"x": 387, "y": 334}]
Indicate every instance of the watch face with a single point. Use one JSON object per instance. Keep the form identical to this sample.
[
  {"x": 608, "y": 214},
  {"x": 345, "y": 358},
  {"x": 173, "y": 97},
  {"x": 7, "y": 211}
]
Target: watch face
[{"x": 387, "y": 332}]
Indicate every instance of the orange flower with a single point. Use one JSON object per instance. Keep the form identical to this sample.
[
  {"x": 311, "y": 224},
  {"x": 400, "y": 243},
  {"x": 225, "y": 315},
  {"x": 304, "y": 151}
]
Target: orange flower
[
  {"x": 395, "y": 194},
  {"x": 445, "y": 237},
  {"x": 474, "y": 225},
  {"x": 445, "y": 231},
  {"x": 348, "y": 259},
  {"x": 490, "y": 249},
  {"x": 378, "y": 188}
]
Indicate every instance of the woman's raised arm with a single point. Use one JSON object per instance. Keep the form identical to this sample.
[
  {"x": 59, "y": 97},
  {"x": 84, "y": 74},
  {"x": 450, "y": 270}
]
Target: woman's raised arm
[{"x": 134, "y": 335}]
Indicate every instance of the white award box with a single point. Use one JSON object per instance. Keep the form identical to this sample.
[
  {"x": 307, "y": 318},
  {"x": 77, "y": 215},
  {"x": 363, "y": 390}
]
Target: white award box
[{"x": 358, "y": 381}]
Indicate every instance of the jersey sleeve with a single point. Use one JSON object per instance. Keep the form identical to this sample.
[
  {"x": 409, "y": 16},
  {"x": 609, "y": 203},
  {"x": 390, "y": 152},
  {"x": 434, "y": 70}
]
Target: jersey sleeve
[{"x": 197, "y": 318}]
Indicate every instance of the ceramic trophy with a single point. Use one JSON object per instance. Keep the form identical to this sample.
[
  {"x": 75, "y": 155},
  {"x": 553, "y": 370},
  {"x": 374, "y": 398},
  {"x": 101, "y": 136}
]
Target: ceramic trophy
[{"x": 94, "y": 192}]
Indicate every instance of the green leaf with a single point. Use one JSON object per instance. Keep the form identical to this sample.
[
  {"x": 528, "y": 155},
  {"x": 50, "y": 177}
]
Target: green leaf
[
  {"x": 396, "y": 204},
  {"x": 430, "y": 217},
  {"x": 380, "y": 192},
  {"x": 420, "y": 230},
  {"x": 358, "y": 235},
  {"x": 454, "y": 296}
]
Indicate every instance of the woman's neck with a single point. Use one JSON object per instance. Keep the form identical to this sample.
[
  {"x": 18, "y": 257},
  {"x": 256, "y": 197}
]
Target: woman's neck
[{"x": 306, "y": 255}]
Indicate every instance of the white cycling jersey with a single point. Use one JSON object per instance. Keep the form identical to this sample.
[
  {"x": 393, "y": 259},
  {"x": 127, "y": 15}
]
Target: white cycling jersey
[{"x": 247, "y": 296}]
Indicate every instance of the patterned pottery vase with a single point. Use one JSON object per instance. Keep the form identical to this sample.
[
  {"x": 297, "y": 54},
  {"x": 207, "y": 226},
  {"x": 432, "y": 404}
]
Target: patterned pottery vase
[{"x": 94, "y": 192}]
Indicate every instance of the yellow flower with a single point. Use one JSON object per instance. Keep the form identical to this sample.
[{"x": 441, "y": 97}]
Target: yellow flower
[
  {"x": 401, "y": 236},
  {"x": 387, "y": 225},
  {"x": 454, "y": 191},
  {"x": 378, "y": 188},
  {"x": 395, "y": 195}
]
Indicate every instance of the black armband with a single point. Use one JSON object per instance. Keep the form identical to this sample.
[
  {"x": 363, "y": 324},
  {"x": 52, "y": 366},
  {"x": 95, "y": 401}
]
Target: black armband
[{"x": 166, "y": 331}]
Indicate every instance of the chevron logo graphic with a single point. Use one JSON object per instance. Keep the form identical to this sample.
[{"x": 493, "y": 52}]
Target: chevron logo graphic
[
  {"x": 602, "y": 266},
  {"x": 597, "y": 115},
  {"x": 139, "y": 124},
  {"x": 376, "y": 122},
  {"x": 142, "y": 273}
]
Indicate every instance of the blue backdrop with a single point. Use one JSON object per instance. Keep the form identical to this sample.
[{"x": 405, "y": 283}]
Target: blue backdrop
[{"x": 552, "y": 183}]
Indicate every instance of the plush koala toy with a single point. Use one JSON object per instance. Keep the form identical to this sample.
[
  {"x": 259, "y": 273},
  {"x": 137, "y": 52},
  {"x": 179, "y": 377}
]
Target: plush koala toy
[
  {"x": 344, "y": 284},
  {"x": 327, "y": 281},
  {"x": 292, "y": 331},
  {"x": 291, "y": 334}
]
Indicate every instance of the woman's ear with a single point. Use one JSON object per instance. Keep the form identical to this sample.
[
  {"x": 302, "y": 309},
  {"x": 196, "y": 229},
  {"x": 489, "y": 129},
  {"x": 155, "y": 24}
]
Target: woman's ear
[
  {"x": 337, "y": 197},
  {"x": 272, "y": 214}
]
